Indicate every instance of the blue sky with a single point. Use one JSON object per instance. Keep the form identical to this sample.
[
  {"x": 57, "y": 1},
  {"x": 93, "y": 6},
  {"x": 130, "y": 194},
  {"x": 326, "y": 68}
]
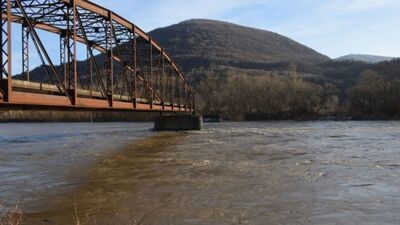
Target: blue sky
[{"x": 332, "y": 27}]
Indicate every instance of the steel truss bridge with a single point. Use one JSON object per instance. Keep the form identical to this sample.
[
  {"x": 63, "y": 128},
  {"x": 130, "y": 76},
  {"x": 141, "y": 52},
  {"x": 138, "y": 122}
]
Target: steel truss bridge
[{"x": 125, "y": 68}]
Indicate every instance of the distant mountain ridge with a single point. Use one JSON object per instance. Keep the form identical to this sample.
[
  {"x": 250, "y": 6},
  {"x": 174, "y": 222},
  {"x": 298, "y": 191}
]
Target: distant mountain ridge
[{"x": 365, "y": 58}]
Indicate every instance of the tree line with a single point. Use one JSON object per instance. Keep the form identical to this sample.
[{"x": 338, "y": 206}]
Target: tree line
[{"x": 241, "y": 95}]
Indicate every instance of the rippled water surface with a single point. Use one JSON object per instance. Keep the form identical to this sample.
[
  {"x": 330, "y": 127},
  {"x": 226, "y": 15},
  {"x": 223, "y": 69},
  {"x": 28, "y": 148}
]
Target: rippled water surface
[{"x": 229, "y": 173}]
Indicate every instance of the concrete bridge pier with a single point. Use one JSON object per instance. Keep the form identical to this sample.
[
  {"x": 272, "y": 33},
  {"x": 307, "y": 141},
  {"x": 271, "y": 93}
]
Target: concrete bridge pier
[{"x": 178, "y": 123}]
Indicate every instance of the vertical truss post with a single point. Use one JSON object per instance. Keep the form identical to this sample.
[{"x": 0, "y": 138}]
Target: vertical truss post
[
  {"x": 171, "y": 77},
  {"x": 9, "y": 51},
  {"x": 193, "y": 99},
  {"x": 133, "y": 55},
  {"x": 184, "y": 98},
  {"x": 178, "y": 86},
  {"x": 151, "y": 93},
  {"x": 188, "y": 102},
  {"x": 70, "y": 44},
  {"x": 3, "y": 51},
  {"x": 90, "y": 69},
  {"x": 75, "y": 86},
  {"x": 5, "y": 56},
  {"x": 167, "y": 84},
  {"x": 109, "y": 67},
  {"x": 162, "y": 81},
  {"x": 68, "y": 49},
  {"x": 63, "y": 66},
  {"x": 25, "y": 52}
]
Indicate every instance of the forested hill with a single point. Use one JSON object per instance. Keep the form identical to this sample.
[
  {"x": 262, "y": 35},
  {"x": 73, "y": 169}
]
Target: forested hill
[
  {"x": 200, "y": 43},
  {"x": 365, "y": 58}
]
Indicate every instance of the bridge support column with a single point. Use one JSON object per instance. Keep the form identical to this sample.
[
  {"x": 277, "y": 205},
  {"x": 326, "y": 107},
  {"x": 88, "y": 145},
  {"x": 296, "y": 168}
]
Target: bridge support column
[{"x": 178, "y": 123}]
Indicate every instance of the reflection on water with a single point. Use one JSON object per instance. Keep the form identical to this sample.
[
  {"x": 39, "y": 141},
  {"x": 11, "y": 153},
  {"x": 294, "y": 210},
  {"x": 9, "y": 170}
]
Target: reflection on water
[
  {"x": 37, "y": 159},
  {"x": 230, "y": 173}
]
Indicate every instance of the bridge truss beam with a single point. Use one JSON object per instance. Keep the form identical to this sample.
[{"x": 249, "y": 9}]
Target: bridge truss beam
[{"x": 126, "y": 69}]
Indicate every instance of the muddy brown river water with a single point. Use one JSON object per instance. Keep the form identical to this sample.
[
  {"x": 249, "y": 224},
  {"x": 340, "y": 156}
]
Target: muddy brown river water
[{"x": 265, "y": 173}]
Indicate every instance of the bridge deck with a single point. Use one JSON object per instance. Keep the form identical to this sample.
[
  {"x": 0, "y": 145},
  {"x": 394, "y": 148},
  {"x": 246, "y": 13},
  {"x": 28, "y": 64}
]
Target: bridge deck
[{"x": 27, "y": 93}]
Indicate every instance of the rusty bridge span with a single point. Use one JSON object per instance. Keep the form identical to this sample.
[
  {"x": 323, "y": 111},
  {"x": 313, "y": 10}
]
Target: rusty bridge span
[{"x": 124, "y": 68}]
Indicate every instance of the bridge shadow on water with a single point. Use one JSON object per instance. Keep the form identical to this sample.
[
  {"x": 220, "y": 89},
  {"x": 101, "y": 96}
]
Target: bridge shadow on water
[{"x": 109, "y": 192}]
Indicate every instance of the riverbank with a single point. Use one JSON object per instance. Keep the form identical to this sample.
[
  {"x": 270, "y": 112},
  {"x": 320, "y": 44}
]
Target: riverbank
[{"x": 309, "y": 117}]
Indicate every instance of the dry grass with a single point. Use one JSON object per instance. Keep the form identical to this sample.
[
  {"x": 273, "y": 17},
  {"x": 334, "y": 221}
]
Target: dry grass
[
  {"x": 14, "y": 216},
  {"x": 11, "y": 216}
]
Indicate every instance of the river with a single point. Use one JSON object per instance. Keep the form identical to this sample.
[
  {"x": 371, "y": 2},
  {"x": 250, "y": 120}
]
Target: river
[{"x": 229, "y": 173}]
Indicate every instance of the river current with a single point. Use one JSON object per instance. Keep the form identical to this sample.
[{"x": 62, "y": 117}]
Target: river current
[{"x": 229, "y": 173}]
